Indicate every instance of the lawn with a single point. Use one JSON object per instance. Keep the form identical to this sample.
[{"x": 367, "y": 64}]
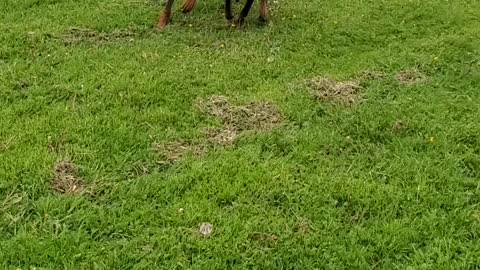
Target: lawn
[{"x": 341, "y": 135}]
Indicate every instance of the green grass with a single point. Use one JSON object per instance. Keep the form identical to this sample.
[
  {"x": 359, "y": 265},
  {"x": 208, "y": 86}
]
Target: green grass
[{"x": 336, "y": 184}]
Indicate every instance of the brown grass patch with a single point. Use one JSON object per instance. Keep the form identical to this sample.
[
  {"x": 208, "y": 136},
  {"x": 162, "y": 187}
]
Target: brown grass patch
[
  {"x": 254, "y": 115},
  {"x": 76, "y": 34},
  {"x": 476, "y": 216},
  {"x": 264, "y": 237},
  {"x": 224, "y": 136},
  {"x": 372, "y": 75},
  {"x": 6, "y": 143},
  {"x": 235, "y": 118},
  {"x": 410, "y": 77},
  {"x": 205, "y": 229},
  {"x": 11, "y": 200},
  {"x": 329, "y": 89},
  {"x": 66, "y": 179},
  {"x": 14, "y": 209},
  {"x": 302, "y": 226},
  {"x": 398, "y": 125},
  {"x": 173, "y": 151},
  {"x": 56, "y": 144}
]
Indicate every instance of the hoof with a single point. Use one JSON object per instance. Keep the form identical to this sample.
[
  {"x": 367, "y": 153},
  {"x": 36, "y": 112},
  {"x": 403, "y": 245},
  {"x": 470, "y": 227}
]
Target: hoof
[{"x": 239, "y": 21}]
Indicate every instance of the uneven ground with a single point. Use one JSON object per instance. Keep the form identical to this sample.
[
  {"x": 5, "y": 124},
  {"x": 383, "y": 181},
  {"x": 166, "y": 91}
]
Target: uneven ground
[{"x": 344, "y": 134}]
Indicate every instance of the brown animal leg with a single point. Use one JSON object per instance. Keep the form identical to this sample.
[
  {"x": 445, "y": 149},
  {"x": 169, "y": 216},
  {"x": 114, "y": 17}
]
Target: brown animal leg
[
  {"x": 244, "y": 12},
  {"x": 263, "y": 11},
  {"x": 165, "y": 17},
  {"x": 188, "y": 5},
  {"x": 228, "y": 9}
]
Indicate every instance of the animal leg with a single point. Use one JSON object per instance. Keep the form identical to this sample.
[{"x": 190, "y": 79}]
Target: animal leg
[
  {"x": 244, "y": 12},
  {"x": 188, "y": 5},
  {"x": 263, "y": 11},
  {"x": 165, "y": 17},
  {"x": 228, "y": 9}
]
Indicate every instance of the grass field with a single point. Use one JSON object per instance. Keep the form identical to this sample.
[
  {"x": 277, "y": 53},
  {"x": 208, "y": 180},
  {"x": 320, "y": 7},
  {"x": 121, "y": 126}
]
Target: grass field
[{"x": 342, "y": 135}]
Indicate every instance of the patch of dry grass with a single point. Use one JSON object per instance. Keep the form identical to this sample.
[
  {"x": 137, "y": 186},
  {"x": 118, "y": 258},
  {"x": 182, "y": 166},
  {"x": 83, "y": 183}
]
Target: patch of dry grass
[
  {"x": 372, "y": 75},
  {"x": 224, "y": 136},
  {"x": 254, "y": 115},
  {"x": 238, "y": 118},
  {"x": 173, "y": 151},
  {"x": 410, "y": 77},
  {"x": 329, "y": 89},
  {"x": 66, "y": 178},
  {"x": 77, "y": 34},
  {"x": 235, "y": 118}
]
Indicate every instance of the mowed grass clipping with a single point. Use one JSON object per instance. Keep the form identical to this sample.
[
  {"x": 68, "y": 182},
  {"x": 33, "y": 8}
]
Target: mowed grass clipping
[{"x": 341, "y": 135}]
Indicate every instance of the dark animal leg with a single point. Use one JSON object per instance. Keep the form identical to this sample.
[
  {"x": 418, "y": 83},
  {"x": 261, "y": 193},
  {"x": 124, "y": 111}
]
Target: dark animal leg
[
  {"x": 188, "y": 5},
  {"x": 263, "y": 10},
  {"x": 228, "y": 9},
  {"x": 165, "y": 17},
  {"x": 244, "y": 12}
]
